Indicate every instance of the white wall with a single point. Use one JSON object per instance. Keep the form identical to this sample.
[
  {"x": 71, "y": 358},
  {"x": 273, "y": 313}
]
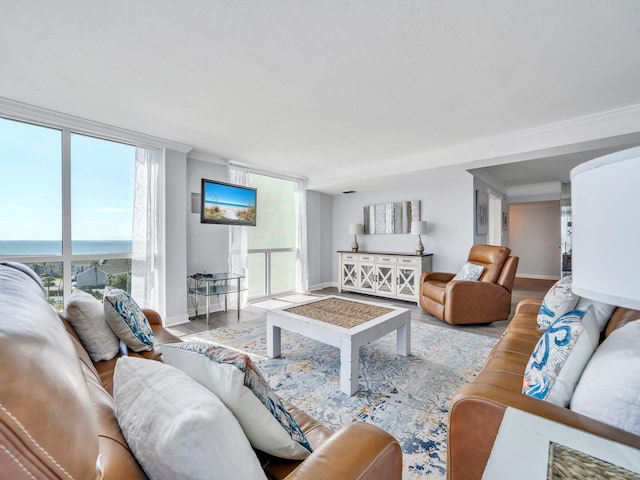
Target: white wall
[
  {"x": 207, "y": 244},
  {"x": 446, "y": 204},
  {"x": 534, "y": 230},
  {"x": 176, "y": 238},
  {"x": 319, "y": 238}
]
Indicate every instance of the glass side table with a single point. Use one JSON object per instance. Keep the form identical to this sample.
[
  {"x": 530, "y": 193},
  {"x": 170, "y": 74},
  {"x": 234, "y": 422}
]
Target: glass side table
[{"x": 208, "y": 284}]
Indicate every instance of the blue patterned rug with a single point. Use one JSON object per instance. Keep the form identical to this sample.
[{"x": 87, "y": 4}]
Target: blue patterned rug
[{"x": 408, "y": 397}]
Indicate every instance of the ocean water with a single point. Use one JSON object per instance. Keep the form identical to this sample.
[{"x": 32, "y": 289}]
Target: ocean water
[{"x": 54, "y": 247}]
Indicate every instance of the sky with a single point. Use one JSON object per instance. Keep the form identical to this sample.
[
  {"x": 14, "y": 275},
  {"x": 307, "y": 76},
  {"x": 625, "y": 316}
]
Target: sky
[
  {"x": 229, "y": 194},
  {"x": 102, "y": 184}
]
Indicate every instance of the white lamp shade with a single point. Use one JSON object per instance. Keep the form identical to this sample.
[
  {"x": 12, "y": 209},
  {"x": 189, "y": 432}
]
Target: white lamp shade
[
  {"x": 418, "y": 227},
  {"x": 355, "y": 229},
  {"x": 605, "y": 209}
]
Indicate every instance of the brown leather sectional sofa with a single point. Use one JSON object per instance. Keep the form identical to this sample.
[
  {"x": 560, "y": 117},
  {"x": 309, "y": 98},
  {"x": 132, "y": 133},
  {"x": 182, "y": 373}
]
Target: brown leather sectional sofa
[
  {"x": 477, "y": 408},
  {"x": 58, "y": 419}
]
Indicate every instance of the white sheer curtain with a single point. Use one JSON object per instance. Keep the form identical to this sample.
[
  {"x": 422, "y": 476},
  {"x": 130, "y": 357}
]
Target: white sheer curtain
[
  {"x": 238, "y": 241},
  {"x": 302, "y": 260},
  {"x": 148, "y": 262}
]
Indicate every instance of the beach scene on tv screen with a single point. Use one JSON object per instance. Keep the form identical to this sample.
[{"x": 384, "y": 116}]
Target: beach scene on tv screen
[{"x": 230, "y": 203}]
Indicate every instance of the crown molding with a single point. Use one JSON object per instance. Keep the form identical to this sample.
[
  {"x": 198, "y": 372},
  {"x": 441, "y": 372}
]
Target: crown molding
[
  {"x": 205, "y": 157},
  {"x": 610, "y": 128},
  {"x": 42, "y": 116}
]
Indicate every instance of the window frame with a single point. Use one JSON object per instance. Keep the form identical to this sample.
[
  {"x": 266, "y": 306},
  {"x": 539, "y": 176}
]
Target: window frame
[{"x": 67, "y": 257}]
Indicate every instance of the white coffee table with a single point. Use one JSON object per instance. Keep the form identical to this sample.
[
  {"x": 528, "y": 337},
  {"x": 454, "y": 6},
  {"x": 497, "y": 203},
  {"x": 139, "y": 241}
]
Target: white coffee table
[{"x": 349, "y": 340}]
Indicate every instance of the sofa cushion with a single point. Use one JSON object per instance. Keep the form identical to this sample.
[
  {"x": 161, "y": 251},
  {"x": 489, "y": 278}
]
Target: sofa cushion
[
  {"x": 234, "y": 378},
  {"x": 558, "y": 301},
  {"x": 560, "y": 357},
  {"x": 126, "y": 319},
  {"x": 86, "y": 315},
  {"x": 609, "y": 389},
  {"x": 601, "y": 311},
  {"x": 176, "y": 428},
  {"x": 470, "y": 272}
]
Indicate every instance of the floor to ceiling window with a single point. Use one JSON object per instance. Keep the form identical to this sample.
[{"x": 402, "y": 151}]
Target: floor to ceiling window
[
  {"x": 272, "y": 244},
  {"x": 66, "y": 207}
]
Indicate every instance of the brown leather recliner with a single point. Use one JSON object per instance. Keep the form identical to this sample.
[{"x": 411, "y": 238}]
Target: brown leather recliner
[{"x": 461, "y": 302}]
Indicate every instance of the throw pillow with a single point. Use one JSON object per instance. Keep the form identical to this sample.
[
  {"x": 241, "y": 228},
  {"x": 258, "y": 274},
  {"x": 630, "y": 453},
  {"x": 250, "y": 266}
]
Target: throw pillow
[
  {"x": 558, "y": 301},
  {"x": 609, "y": 389},
  {"x": 470, "y": 272},
  {"x": 234, "y": 378},
  {"x": 560, "y": 357},
  {"x": 126, "y": 319},
  {"x": 86, "y": 315},
  {"x": 176, "y": 428},
  {"x": 602, "y": 311}
]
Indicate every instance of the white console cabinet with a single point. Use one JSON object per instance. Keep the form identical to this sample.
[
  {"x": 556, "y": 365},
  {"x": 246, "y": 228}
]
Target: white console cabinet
[{"x": 392, "y": 275}]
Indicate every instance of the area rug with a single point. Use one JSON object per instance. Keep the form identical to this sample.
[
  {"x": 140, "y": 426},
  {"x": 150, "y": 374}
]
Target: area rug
[{"x": 408, "y": 397}]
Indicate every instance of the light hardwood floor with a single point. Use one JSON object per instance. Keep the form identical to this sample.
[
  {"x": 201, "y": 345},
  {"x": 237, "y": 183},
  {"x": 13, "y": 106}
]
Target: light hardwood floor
[{"x": 523, "y": 288}]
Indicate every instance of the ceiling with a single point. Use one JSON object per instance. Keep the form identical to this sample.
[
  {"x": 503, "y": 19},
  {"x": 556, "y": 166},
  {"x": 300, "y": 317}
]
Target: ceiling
[{"x": 349, "y": 95}]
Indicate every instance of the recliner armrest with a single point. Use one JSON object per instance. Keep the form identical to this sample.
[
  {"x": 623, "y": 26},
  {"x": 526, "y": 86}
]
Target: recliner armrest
[
  {"x": 372, "y": 454},
  {"x": 437, "y": 276}
]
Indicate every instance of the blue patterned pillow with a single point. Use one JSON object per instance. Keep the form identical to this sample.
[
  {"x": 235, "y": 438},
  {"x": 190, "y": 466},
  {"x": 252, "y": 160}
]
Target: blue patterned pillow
[
  {"x": 558, "y": 301},
  {"x": 126, "y": 319},
  {"x": 560, "y": 356},
  {"x": 234, "y": 379}
]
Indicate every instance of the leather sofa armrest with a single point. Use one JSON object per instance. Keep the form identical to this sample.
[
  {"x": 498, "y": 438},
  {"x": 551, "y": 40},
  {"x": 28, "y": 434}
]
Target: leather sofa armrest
[
  {"x": 372, "y": 454},
  {"x": 476, "y": 302},
  {"x": 437, "y": 276},
  {"x": 153, "y": 316},
  {"x": 529, "y": 305},
  {"x": 475, "y": 416}
]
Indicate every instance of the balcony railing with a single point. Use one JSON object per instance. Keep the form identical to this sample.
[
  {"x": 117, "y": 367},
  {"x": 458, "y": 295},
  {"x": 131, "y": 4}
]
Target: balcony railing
[{"x": 272, "y": 271}]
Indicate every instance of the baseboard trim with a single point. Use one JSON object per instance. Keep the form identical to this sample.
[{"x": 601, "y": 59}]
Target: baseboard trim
[
  {"x": 320, "y": 286},
  {"x": 176, "y": 320},
  {"x": 538, "y": 277}
]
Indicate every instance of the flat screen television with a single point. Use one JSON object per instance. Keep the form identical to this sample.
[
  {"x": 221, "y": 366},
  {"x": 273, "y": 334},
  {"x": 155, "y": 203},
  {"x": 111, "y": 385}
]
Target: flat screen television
[{"x": 224, "y": 203}]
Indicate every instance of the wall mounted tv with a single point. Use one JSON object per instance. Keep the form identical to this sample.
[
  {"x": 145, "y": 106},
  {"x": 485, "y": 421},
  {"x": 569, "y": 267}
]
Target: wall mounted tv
[{"x": 224, "y": 203}]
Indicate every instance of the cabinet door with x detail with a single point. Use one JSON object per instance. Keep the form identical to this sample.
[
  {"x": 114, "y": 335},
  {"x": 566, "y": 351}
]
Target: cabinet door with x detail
[
  {"x": 349, "y": 274},
  {"x": 406, "y": 282},
  {"x": 386, "y": 281}
]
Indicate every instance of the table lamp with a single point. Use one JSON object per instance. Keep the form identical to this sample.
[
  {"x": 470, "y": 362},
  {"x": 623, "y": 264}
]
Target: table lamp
[
  {"x": 419, "y": 227},
  {"x": 355, "y": 229},
  {"x": 605, "y": 208}
]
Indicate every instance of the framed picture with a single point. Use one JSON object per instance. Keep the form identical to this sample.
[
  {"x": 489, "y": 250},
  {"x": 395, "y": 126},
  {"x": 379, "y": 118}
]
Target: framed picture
[
  {"x": 482, "y": 212},
  {"x": 505, "y": 221}
]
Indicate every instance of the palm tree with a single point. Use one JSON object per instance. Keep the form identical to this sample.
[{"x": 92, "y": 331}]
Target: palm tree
[
  {"x": 95, "y": 264},
  {"x": 48, "y": 282}
]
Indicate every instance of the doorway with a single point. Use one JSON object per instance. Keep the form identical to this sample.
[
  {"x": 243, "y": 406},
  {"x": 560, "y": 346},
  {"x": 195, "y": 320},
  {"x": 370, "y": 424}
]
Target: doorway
[{"x": 494, "y": 236}]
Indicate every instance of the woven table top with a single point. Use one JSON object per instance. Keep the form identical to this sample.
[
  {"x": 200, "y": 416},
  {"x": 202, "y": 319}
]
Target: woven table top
[
  {"x": 339, "y": 312},
  {"x": 565, "y": 463}
]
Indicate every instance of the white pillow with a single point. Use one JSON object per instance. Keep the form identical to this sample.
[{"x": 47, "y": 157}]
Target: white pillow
[
  {"x": 609, "y": 389},
  {"x": 558, "y": 301},
  {"x": 176, "y": 428},
  {"x": 233, "y": 377},
  {"x": 126, "y": 319},
  {"x": 85, "y": 313},
  {"x": 560, "y": 357},
  {"x": 470, "y": 272},
  {"x": 602, "y": 311}
]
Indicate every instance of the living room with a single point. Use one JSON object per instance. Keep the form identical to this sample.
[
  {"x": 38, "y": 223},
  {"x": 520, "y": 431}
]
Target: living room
[{"x": 366, "y": 105}]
